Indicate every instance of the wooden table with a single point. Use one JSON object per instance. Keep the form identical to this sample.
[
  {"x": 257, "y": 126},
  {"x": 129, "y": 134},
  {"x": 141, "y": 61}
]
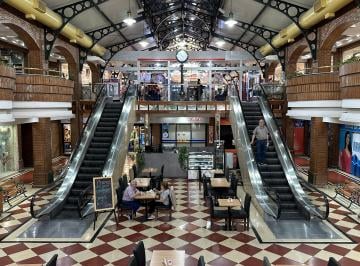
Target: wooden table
[
  {"x": 142, "y": 182},
  {"x": 177, "y": 257},
  {"x": 229, "y": 203},
  {"x": 219, "y": 183},
  {"x": 148, "y": 171},
  {"x": 146, "y": 197}
]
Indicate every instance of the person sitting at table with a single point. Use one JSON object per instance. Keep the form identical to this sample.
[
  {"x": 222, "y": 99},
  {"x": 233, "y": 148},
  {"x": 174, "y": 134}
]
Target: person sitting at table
[
  {"x": 128, "y": 198},
  {"x": 162, "y": 201}
]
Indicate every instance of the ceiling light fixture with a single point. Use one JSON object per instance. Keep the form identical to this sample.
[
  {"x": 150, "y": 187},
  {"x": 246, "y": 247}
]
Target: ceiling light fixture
[
  {"x": 129, "y": 20},
  {"x": 220, "y": 43},
  {"x": 143, "y": 44},
  {"x": 230, "y": 22}
]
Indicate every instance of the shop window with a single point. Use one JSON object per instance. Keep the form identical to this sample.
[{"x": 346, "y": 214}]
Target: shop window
[{"x": 8, "y": 148}]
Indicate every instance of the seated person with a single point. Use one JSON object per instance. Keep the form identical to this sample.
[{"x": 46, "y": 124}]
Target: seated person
[
  {"x": 128, "y": 198},
  {"x": 162, "y": 201}
]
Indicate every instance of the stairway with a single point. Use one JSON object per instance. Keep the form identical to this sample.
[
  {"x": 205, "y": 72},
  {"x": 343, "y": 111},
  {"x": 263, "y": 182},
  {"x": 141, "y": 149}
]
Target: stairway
[
  {"x": 96, "y": 154},
  {"x": 271, "y": 172}
]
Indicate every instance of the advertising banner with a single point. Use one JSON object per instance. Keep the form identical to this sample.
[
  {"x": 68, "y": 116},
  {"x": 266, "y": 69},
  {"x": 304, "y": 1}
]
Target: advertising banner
[{"x": 349, "y": 145}]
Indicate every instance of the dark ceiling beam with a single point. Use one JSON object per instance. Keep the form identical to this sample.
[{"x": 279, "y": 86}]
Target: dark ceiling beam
[
  {"x": 67, "y": 12},
  {"x": 98, "y": 34},
  {"x": 111, "y": 23}
]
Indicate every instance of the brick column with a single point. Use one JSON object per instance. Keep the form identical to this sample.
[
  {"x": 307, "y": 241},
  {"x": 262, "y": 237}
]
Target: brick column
[
  {"x": 324, "y": 59},
  {"x": 334, "y": 145},
  {"x": 41, "y": 151},
  {"x": 318, "y": 152},
  {"x": 289, "y": 132}
]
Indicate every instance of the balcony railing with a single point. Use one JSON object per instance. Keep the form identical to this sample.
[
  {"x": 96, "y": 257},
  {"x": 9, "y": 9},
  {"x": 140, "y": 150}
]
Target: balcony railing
[
  {"x": 38, "y": 71},
  {"x": 173, "y": 106}
]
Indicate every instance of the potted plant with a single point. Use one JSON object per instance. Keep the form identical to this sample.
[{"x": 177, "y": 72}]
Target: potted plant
[{"x": 183, "y": 157}]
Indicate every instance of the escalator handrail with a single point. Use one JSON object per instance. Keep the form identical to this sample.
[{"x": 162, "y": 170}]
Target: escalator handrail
[
  {"x": 111, "y": 160},
  {"x": 293, "y": 180},
  {"x": 100, "y": 100},
  {"x": 260, "y": 193}
]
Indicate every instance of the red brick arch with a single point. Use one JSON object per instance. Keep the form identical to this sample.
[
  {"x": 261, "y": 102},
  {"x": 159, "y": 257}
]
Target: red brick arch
[
  {"x": 95, "y": 72},
  {"x": 293, "y": 57}
]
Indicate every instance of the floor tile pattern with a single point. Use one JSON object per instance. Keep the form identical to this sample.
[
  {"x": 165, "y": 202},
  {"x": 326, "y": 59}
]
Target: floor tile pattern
[{"x": 188, "y": 230}]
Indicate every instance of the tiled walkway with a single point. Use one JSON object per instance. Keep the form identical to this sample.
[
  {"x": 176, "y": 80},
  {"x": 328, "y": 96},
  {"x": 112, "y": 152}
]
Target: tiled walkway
[{"x": 185, "y": 231}]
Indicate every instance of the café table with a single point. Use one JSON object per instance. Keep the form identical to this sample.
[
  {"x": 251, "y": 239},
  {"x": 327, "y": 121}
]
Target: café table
[
  {"x": 168, "y": 258},
  {"x": 142, "y": 182},
  {"x": 146, "y": 197},
  {"x": 149, "y": 171},
  {"x": 229, "y": 203},
  {"x": 219, "y": 183}
]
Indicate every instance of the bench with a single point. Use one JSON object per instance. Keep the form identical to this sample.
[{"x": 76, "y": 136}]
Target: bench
[
  {"x": 349, "y": 190},
  {"x": 12, "y": 189}
]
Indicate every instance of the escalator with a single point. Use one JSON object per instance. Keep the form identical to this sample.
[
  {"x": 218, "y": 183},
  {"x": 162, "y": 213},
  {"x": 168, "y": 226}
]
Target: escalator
[
  {"x": 99, "y": 152},
  {"x": 271, "y": 172},
  {"x": 277, "y": 189},
  {"x": 96, "y": 154}
]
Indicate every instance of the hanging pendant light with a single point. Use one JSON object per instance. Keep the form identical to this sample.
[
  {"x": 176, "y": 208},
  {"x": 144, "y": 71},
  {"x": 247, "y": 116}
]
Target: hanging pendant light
[
  {"x": 129, "y": 20},
  {"x": 230, "y": 22}
]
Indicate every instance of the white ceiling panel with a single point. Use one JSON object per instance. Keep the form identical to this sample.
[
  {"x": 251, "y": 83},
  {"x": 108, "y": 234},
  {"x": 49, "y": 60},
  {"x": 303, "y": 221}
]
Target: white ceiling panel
[
  {"x": 111, "y": 39},
  {"x": 83, "y": 22}
]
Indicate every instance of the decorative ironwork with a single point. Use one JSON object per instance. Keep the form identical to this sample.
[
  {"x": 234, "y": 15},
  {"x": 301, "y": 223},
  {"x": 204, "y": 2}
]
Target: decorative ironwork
[
  {"x": 98, "y": 34},
  {"x": 83, "y": 53},
  {"x": 293, "y": 12},
  {"x": 67, "y": 13}
]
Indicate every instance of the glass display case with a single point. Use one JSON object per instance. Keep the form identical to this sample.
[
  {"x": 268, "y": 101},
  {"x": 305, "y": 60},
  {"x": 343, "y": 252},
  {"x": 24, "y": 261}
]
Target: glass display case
[{"x": 204, "y": 160}]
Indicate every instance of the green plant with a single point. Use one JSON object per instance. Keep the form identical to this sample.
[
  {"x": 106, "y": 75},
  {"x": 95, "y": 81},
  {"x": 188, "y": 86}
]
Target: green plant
[
  {"x": 140, "y": 161},
  {"x": 183, "y": 157},
  {"x": 353, "y": 59}
]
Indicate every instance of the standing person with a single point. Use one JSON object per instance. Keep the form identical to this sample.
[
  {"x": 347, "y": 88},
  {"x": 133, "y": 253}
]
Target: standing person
[
  {"x": 345, "y": 155},
  {"x": 199, "y": 90},
  {"x": 128, "y": 198},
  {"x": 162, "y": 201},
  {"x": 261, "y": 134}
]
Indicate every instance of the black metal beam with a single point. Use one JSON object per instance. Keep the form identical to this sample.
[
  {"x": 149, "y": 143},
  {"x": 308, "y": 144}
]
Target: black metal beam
[{"x": 67, "y": 12}]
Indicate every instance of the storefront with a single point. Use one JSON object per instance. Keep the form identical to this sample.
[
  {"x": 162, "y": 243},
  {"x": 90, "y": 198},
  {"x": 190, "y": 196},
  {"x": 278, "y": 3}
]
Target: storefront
[
  {"x": 349, "y": 149},
  {"x": 8, "y": 150}
]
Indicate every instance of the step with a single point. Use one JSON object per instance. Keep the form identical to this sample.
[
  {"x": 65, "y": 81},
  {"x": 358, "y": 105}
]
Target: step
[
  {"x": 273, "y": 174},
  {"x": 273, "y": 161},
  {"x": 108, "y": 119},
  {"x": 291, "y": 215},
  {"x": 102, "y": 145},
  {"x": 90, "y": 170},
  {"x": 72, "y": 200},
  {"x": 275, "y": 181},
  {"x": 70, "y": 207},
  {"x": 281, "y": 189},
  {"x": 97, "y": 151},
  {"x": 286, "y": 196},
  {"x": 103, "y": 134},
  {"x": 78, "y": 184},
  {"x": 267, "y": 168},
  {"x": 97, "y": 157},
  {"x": 98, "y": 163},
  {"x": 288, "y": 205},
  {"x": 107, "y": 124},
  {"x": 102, "y": 139},
  {"x": 105, "y": 129},
  {"x": 271, "y": 154}
]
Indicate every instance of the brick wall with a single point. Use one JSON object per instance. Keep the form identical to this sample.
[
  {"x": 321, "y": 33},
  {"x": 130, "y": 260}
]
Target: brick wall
[
  {"x": 41, "y": 151},
  {"x": 43, "y": 88},
  {"x": 7, "y": 83},
  {"x": 350, "y": 81},
  {"x": 56, "y": 139},
  {"x": 318, "y": 152},
  {"x": 313, "y": 87}
]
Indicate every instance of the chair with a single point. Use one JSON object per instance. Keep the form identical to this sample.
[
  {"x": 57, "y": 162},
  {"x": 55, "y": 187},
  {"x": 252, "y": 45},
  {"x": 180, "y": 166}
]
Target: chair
[
  {"x": 52, "y": 261},
  {"x": 243, "y": 213},
  {"x": 207, "y": 191},
  {"x": 266, "y": 261},
  {"x": 233, "y": 187},
  {"x": 120, "y": 206},
  {"x": 139, "y": 254},
  {"x": 216, "y": 214},
  {"x": 133, "y": 262},
  {"x": 135, "y": 171},
  {"x": 201, "y": 261},
  {"x": 124, "y": 182},
  {"x": 165, "y": 208},
  {"x": 333, "y": 262}
]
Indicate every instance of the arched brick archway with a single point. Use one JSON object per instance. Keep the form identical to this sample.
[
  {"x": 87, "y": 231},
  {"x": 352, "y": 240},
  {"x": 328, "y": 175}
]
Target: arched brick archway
[
  {"x": 293, "y": 57},
  {"x": 331, "y": 31},
  {"x": 271, "y": 70},
  {"x": 31, "y": 35},
  {"x": 95, "y": 72}
]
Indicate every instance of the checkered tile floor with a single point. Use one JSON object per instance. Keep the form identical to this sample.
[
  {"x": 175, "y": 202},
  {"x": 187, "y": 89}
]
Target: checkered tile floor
[{"x": 187, "y": 231}]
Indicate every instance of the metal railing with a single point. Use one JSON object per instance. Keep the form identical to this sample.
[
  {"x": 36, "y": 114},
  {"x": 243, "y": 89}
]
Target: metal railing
[
  {"x": 312, "y": 71},
  {"x": 157, "y": 106},
  {"x": 296, "y": 183},
  {"x": 39, "y": 71}
]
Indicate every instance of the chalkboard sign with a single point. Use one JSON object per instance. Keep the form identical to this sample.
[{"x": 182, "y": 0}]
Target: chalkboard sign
[{"x": 103, "y": 193}]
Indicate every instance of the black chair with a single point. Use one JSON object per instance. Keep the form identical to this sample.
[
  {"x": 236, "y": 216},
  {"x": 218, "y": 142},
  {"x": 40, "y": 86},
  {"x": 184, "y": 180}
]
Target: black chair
[
  {"x": 133, "y": 262},
  {"x": 201, "y": 261},
  {"x": 124, "y": 182},
  {"x": 139, "y": 254},
  {"x": 333, "y": 262},
  {"x": 233, "y": 187},
  {"x": 227, "y": 173},
  {"x": 266, "y": 261},
  {"x": 216, "y": 214},
  {"x": 207, "y": 192},
  {"x": 135, "y": 171},
  {"x": 165, "y": 208},
  {"x": 52, "y": 261},
  {"x": 243, "y": 213},
  {"x": 120, "y": 206}
]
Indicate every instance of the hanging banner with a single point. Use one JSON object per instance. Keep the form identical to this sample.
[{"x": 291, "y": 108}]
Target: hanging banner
[{"x": 349, "y": 149}]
